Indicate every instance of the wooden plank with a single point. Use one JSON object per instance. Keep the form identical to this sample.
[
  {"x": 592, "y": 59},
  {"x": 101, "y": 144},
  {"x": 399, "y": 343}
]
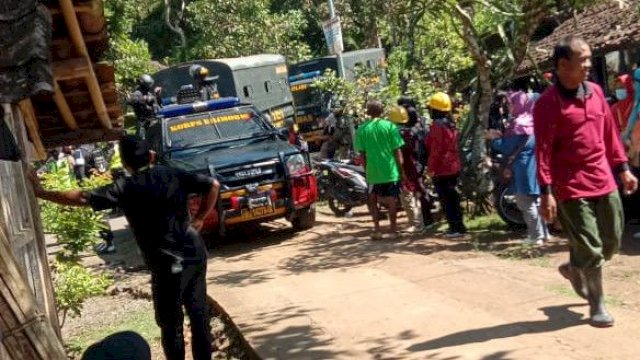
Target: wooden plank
[
  {"x": 44, "y": 268},
  {"x": 105, "y": 88},
  {"x": 31, "y": 123},
  {"x": 25, "y": 332},
  {"x": 71, "y": 68},
  {"x": 63, "y": 107},
  {"x": 75, "y": 32},
  {"x": 82, "y": 136}
]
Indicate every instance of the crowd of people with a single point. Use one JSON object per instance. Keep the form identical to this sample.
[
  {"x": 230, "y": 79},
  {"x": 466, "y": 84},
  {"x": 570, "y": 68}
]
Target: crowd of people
[
  {"x": 398, "y": 150},
  {"x": 564, "y": 156},
  {"x": 564, "y": 151}
]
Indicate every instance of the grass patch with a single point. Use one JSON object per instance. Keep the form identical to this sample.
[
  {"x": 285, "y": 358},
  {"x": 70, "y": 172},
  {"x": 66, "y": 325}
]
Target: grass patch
[
  {"x": 491, "y": 222},
  {"x": 141, "y": 321},
  {"x": 520, "y": 252},
  {"x": 563, "y": 290}
]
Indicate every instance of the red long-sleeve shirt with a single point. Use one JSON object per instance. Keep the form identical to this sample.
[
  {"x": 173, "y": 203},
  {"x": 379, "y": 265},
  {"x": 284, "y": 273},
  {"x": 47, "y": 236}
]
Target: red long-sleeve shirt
[
  {"x": 577, "y": 143},
  {"x": 442, "y": 147}
]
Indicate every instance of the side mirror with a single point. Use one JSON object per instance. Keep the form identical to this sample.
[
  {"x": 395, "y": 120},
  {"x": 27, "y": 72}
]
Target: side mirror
[{"x": 283, "y": 133}]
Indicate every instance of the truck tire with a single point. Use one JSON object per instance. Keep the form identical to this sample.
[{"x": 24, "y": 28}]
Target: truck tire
[{"x": 304, "y": 219}]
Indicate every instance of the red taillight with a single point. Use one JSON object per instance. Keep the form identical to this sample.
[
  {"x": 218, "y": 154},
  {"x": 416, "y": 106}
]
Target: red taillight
[{"x": 235, "y": 203}]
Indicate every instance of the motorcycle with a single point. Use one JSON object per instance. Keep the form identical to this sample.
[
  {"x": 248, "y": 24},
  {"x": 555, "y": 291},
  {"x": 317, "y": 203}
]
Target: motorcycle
[
  {"x": 342, "y": 184},
  {"x": 504, "y": 199}
]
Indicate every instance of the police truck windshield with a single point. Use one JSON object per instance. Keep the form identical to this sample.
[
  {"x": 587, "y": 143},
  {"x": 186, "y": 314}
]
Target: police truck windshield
[
  {"x": 305, "y": 95},
  {"x": 216, "y": 128}
]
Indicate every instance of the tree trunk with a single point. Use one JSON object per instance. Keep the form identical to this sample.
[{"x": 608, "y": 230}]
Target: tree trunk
[
  {"x": 476, "y": 183},
  {"x": 175, "y": 25}
]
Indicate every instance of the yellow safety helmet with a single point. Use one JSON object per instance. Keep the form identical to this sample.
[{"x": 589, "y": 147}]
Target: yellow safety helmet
[
  {"x": 399, "y": 115},
  {"x": 440, "y": 101}
]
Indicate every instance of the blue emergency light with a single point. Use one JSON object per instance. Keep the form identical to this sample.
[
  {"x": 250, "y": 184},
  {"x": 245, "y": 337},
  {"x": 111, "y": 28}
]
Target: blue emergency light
[
  {"x": 303, "y": 76},
  {"x": 209, "y": 105}
]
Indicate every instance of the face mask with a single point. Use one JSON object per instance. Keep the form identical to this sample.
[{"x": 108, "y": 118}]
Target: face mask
[{"x": 621, "y": 94}]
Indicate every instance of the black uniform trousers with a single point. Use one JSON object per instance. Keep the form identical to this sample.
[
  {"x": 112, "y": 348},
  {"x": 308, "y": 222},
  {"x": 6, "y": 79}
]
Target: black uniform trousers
[
  {"x": 170, "y": 293},
  {"x": 450, "y": 200}
]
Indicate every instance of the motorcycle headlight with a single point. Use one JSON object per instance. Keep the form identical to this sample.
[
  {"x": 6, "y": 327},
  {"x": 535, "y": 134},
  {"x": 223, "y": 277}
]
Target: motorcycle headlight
[{"x": 296, "y": 164}]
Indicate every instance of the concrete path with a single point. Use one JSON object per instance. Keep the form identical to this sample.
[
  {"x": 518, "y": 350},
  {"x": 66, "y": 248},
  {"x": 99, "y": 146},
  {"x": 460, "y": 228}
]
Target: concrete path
[{"x": 332, "y": 293}]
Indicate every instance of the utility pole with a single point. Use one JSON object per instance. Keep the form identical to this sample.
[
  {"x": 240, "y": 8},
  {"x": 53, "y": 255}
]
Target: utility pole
[{"x": 332, "y": 14}]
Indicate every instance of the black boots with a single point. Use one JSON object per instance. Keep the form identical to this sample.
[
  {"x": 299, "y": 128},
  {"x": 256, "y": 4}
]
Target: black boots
[
  {"x": 599, "y": 315},
  {"x": 577, "y": 278}
]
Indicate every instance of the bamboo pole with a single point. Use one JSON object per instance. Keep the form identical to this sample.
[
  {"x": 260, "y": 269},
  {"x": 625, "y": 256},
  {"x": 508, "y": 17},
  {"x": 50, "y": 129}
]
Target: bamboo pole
[{"x": 25, "y": 333}]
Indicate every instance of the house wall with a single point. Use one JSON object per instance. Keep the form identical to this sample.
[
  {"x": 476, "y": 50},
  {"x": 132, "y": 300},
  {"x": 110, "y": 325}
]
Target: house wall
[{"x": 20, "y": 221}]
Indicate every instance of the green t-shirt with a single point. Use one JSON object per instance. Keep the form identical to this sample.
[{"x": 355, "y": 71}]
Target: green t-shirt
[{"x": 378, "y": 139}]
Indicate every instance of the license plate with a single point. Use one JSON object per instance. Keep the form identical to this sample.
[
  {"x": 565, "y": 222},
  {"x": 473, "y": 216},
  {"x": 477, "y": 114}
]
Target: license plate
[
  {"x": 257, "y": 212},
  {"x": 255, "y": 203}
]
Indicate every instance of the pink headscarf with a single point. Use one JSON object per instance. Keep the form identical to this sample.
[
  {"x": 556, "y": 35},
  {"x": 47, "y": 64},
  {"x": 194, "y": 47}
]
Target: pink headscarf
[{"x": 522, "y": 114}]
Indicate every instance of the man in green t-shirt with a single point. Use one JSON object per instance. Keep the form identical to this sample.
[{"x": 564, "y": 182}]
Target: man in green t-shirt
[{"x": 380, "y": 143}]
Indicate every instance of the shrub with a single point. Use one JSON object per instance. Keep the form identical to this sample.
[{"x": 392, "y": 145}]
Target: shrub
[{"x": 73, "y": 284}]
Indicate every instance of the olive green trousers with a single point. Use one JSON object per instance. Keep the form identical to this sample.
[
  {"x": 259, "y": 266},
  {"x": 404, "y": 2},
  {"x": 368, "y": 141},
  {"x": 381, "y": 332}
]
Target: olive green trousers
[{"x": 594, "y": 227}]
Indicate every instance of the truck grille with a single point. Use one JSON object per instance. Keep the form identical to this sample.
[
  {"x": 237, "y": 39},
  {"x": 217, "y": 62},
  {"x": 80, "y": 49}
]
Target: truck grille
[{"x": 258, "y": 173}]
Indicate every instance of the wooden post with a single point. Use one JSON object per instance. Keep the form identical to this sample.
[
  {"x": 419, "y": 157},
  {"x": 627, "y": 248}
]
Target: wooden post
[{"x": 25, "y": 333}]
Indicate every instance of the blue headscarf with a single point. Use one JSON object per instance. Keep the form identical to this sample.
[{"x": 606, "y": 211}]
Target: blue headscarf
[{"x": 635, "y": 111}]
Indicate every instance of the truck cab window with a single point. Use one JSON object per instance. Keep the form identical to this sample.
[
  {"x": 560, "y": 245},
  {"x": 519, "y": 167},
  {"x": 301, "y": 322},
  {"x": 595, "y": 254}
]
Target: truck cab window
[{"x": 248, "y": 91}]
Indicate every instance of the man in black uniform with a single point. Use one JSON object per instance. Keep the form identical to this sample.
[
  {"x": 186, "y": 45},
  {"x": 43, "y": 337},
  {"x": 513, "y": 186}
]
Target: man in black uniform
[
  {"x": 154, "y": 200},
  {"x": 205, "y": 84},
  {"x": 145, "y": 102}
]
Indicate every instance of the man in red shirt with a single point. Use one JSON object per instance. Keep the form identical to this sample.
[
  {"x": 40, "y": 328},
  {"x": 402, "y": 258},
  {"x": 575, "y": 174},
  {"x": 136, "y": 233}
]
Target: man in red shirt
[{"x": 579, "y": 152}]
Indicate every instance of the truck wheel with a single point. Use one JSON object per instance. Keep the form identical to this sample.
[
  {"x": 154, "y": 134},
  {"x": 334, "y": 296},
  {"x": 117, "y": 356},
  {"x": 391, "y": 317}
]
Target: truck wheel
[
  {"x": 304, "y": 219},
  {"x": 338, "y": 208}
]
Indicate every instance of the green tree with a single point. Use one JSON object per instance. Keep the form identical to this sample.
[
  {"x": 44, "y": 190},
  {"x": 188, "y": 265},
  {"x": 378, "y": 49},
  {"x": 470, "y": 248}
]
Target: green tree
[
  {"x": 239, "y": 28},
  {"x": 131, "y": 57}
]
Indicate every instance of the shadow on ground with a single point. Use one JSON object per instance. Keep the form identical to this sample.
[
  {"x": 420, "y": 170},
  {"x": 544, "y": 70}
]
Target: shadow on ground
[
  {"x": 303, "y": 341},
  {"x": 559, "y": 317}
]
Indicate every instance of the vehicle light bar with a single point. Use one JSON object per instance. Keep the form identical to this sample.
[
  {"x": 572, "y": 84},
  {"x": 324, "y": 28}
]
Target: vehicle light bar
[
  {"x": 209, "y": 105},
  {"x": 307, "y": 75},
  {"x": 169, "y": 100}
]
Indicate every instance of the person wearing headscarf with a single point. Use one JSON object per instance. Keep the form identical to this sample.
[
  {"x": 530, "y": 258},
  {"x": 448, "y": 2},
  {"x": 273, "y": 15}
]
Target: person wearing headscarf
[
  {"x": 518, "y": 147},
  {"x": 624, "y": 96},
  {"x": 627, "y": 134}
]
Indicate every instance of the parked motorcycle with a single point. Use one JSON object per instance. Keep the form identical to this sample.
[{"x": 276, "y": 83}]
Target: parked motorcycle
[
  {"x": 342, "y": 184},
  {"x": 504, "y": 199}
]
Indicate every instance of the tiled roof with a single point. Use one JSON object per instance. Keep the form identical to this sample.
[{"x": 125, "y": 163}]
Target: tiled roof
[
  {"x": 607, "y": 26},
  {"x": 85, "y": 107}
]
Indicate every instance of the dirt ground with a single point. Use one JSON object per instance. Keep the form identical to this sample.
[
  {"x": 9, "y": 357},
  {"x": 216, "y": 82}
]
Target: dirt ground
[{"x": 490, "y": 250}]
